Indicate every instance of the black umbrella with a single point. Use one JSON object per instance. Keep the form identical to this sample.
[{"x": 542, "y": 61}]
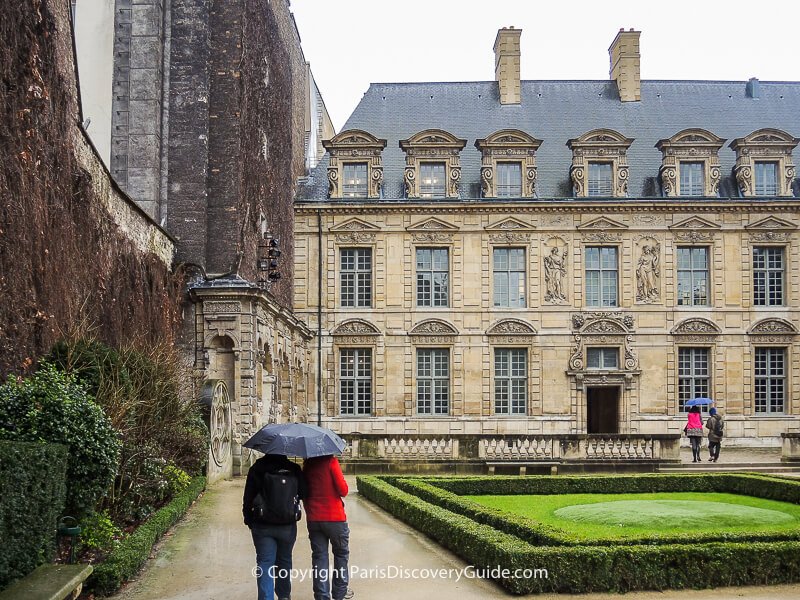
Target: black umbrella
[{"x": 296, "y": 439}]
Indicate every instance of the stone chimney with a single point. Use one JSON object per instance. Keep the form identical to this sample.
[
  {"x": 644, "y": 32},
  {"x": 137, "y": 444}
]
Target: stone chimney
[
  {"x": 506, "y": 64},
  {"x": 625, "y": 65}
]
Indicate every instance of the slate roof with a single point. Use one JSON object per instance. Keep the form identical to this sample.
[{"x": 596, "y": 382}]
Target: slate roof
[{"x": 556, "y": 111}]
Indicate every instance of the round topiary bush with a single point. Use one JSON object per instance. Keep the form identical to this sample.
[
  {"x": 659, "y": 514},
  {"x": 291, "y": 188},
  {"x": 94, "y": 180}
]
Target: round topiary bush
[{"x": 51, "y": 406}]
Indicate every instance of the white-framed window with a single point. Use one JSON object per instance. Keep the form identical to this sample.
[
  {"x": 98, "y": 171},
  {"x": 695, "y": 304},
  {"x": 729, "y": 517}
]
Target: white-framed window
[
  {"x": 510, "y": 381},
  {"x": 433, "y": 277},
  {"x": 356, "y": 277},
  {"x": 601, "y": 275},
  {"x": 509, "y": 180},
  {"x": 355, "y": 381},
  {"x": 509, "y": 277},
  {"x": 433, "y": 381},
  {"x": 602, "y": 358},
  {"x": 770, "y": 380},
  {"x": 601, "y": 179},
  {"x": 432, "y": 180},
  {"x": 766, "y": 178},
  {"x": 768, "y": 276},
  {"x": 694, "y": 375},
  {"x": 692, "y": 276},
  {"x": 692, "y": 178},
  {"x": 354, "y": 184}
]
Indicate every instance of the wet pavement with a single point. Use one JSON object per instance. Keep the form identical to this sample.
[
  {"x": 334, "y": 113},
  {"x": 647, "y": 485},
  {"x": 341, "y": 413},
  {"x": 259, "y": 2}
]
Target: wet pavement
[{"x": 209, "y": 556}]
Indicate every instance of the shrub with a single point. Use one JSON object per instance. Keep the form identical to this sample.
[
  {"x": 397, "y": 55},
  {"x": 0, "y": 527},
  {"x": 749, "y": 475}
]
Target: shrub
[
  {"x": 583, "y": 569},
  {"x": 32, "y": 477},
  {"x": 132, "y": 552},
  {"x": 51, "y": 406},
  {"x": 98, "y": 532}
]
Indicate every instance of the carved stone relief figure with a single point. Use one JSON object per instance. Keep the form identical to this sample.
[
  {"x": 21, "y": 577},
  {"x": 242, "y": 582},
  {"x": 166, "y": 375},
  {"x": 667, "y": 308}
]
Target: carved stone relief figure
[
  {"x": 555, "y": 273},
  {"x": 648, "y": 273}
]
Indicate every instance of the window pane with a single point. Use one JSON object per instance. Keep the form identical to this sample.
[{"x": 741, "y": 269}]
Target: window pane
[
  {"x": 508, "y": 180},
  {"x": 356, "y": 277},
  {"x": 694, "y": 379},
  {"x": 509, "y": 277},
  {"x": 432, "y": 180},
  {"x": 692, "y": 179},
  {"x": 432, "y": 276},
  {"x": 511, "y": 381},
  {"x": 355, "y": 381},
  {"x": 601, "y": 276},
  {"x": 433, "y": 381},
  {"x": 355, "y": 180},
  {"x": 692, "y": 276},
  {"x": 770, "y": 380},
  {"x": 599, "y": 183},
  {"x": 768, "y": 276},
  {"x": 766, "y": 176}
]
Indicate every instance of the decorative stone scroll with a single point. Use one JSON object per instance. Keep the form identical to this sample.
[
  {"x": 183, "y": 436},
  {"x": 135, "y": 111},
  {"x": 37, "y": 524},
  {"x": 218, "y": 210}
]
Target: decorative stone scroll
[
  {"x": 355, "y": 146},
  {"x": 432, "y": 145},
  {"x": 602, "y": 328},
  {"x": 354, "y": 231},
  {"x": 508, "y": 146},
  {"x": 214, "y": 395},
  {"x": 601, "y": 230},
  {"x": 355, "y": 331},
  {"x": 694, "y": 230},
  {"x": 696, "y": 330},
  {"x": 690, "y": 145},
  {"x": 772, "y": 331},
  {"x": 770, "y": 229},
  {"x": 433, "y": 331},
  {"x": 765, "y": 145},
  {"x": 511, "y": 331},
  {"x": 432, "y": 231},
  {"x": 510, "y": 231}
]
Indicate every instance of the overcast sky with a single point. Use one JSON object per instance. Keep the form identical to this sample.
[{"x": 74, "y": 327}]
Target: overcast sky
[{"x": 352, "y": 43}]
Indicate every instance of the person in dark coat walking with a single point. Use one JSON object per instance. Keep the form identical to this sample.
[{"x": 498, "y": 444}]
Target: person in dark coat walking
[
  {"x": 715, "y": 426},
  {"x": 273, "y": 543}
]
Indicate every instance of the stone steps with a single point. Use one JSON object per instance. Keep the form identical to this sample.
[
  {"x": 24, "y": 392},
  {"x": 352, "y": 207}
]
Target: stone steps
[{"x": 707, "y": 467}]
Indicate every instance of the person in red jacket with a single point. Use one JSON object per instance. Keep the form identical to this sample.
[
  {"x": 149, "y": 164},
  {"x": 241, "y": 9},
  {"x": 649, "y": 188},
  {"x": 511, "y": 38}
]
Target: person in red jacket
[{"x": 327, "y": 524}]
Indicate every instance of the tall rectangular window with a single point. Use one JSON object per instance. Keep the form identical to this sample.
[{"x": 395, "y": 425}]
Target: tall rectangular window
[
  {"x": 770, "y": 382},
  {"x": 692, "y": 179},
  {"x": 766, "y": 178},
  {"x": 602, "y": 358},
  {"x": 768, "y": 276},
  {"x": 692, "y": 276},
  {"x": 601, "y": 276},
  {"x": 433, "y": 269},
  {"x": 432, "y": 180},
  {"x": 355, "y": 180},
  {"x": 509, "y": 277},
  {"x": 694, "y": 375},
  {"x": 355, "y": 381},
  {"x": 433, "y": 381},
  {"x": 508, "y": 180},
  {"x": 510, "y": 381},
  {"x": 600, "y": 179},
  {"x": 356, "y": 277}
]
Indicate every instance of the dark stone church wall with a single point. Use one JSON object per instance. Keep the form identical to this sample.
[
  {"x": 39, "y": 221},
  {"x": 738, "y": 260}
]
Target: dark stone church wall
[{"x": 74, "y": 251}]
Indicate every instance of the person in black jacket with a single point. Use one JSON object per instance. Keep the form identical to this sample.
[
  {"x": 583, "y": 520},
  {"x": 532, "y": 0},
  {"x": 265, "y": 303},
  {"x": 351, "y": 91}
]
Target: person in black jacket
[{"x": 273, "y": 543}]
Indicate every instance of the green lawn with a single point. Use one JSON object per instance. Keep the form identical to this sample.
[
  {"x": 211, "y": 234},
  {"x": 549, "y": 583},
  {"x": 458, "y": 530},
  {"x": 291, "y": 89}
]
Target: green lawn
[{"x": 632, "y": 515}]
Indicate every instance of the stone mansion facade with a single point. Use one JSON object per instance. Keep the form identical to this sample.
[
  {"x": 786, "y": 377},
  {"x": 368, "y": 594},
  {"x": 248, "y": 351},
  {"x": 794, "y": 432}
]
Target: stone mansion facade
[{"x": 556, "y": 257}]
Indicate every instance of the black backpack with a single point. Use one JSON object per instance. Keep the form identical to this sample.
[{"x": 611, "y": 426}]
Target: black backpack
[
  {"x": 278, "y": 501},
  {"x": 718, "y": 427}
]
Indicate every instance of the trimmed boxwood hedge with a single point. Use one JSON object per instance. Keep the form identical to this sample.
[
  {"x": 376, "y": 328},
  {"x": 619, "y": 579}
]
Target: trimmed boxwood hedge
[
  {"x": 585, "y": 568},
  {"x": 132, "y": 552},
  {"x": 538, "y": 533},
  {"x": 32, "y": 477}
]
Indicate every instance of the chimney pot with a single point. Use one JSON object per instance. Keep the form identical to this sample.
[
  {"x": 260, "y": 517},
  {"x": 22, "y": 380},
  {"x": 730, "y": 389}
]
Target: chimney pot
[
  {"x": 506, "y": 64},
  {"x": 625, "y": 65}
]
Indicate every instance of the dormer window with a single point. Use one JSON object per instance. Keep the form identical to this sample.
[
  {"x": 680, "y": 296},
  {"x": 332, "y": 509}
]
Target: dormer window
[
  {"x": 690, "y": 163},
  {"x": 508, "y": 164},
  {"x": 355, "y": 180},
  {"x": 600, "y": 164},
  {"x": 433, "y": 168},
  {"x": 355, "y": 169},
  {"x": 764, "y": 165}
]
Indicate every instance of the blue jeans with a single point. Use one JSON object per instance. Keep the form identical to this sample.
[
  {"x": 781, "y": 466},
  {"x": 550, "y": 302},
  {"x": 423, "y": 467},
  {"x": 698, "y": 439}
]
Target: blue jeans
[
  {"x": 325, "y": 582},
  {"x": 274, "y": 549}
]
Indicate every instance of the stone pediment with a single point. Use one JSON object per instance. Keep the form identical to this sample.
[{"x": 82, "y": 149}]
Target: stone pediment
[
  {"x": 353, "y": 137},
  {"x": 356, "y": 327},
  {"x": 510, "y": 224},
  {"x": 433, "y": 327},
  {"x": 696, "y": 326},
  {"x": 601, "y": 223},
  {"x": 770, "y": 223},
  {"x": 511, "y": 327},
  {"x": 354, "y": 225},
  {"x": 602, "y": 323},
  {"x": 432, "y": 224},
  {"x": 773, "y": 327},
  {"x": 433, "y": 137},
  {"x": 694, "y": 223}
]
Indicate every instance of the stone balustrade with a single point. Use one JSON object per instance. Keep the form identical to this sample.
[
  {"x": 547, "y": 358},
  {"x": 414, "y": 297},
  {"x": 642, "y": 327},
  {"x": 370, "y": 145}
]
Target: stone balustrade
[{"x": 516, "y": 448}]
